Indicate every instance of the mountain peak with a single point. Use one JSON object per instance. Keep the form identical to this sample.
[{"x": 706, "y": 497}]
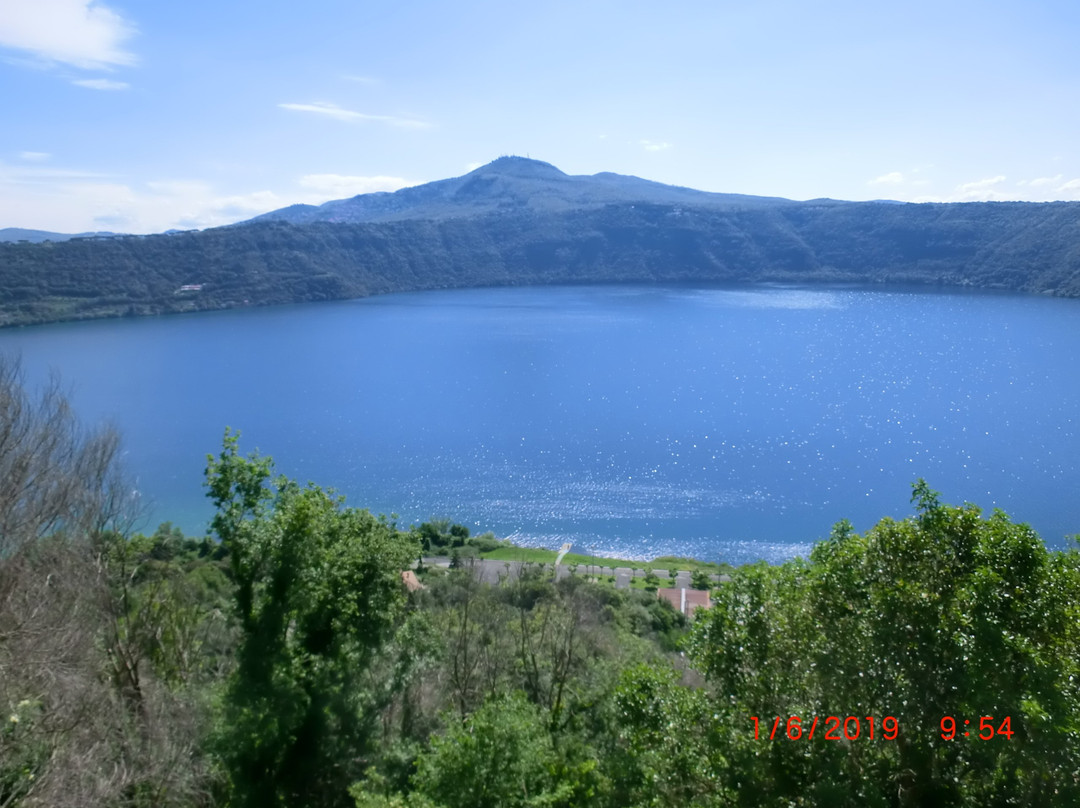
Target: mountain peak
[
  {"x": 523, "y": 167},
  {"x": 510, "y": 183}
]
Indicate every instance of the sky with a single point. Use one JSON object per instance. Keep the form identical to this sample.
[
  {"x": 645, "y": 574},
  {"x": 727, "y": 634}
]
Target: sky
[{"x": 140, "y": 116}]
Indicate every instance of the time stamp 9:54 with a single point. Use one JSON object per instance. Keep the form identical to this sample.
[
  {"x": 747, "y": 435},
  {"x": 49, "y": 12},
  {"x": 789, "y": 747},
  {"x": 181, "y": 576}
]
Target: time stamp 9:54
[{"x": 853, "y": 727}]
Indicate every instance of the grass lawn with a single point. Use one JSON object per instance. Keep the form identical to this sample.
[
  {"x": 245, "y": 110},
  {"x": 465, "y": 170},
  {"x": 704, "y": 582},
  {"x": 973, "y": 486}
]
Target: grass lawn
[{"x": 529, "y": 554}]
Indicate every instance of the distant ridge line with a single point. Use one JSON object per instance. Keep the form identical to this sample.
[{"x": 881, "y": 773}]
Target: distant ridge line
[{"x": 519, "y": 221}]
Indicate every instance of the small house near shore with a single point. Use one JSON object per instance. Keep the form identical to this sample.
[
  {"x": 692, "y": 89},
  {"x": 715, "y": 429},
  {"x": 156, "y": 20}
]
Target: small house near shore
[
  {"x": 686, "y": 601},
  {"x": 412, "y": 583}
]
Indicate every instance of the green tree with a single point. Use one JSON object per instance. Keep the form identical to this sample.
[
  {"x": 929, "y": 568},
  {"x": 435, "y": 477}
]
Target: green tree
[
  {"x": 652, "y": 580},
  {"x": 700, "y": 579},
  {"x": 499, "y": 757},
  {"x": 946, "y": 613},
  {"x": 317, "y": 589},
  {"x": 666, "y": 744}
]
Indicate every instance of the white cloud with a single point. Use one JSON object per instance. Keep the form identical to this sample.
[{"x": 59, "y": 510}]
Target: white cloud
[
  {"x": 72, "y": 201},
  {"x": 979, "y": 185},
  {"x": 338, "y": 186},
  {"x": 472, "y": 166},
  {"x": 1041, "y": 181},
  {"x": 36, "y": 175},
  {"x": 190, "y": 204},
  {"x": 242, "y": 206},
  {"x": 342, "y": 114},
  {"x": 995, "y": 189},
  {"x": 892, "y": 178},
  {"x": 64, "y": 205},
  {"x": 82, "y": 33},
  {"x": 985, "y": 190},
  {"x": 330, "y": 110},
  {"x": 366, "y": 80},
  {"x": 649, "y": 145},
  {"x": 102, "y": 84},
  {"x": 34, "y": 156}
]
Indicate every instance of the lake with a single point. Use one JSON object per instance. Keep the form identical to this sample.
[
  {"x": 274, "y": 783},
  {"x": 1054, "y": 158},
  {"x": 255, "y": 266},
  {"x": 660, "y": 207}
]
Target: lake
[{"x": 724, "y": 423}]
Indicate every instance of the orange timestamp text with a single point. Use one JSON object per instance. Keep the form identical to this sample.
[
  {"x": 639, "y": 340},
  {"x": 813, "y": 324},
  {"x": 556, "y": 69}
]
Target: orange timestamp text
[{"x": 829, "y": 728}]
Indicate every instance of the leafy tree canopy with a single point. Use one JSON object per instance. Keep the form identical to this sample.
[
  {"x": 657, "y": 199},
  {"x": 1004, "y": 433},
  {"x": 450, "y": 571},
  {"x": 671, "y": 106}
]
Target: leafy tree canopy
[
  {"x": 943, "y": 614},
  {"x": 317, "y": 589}
]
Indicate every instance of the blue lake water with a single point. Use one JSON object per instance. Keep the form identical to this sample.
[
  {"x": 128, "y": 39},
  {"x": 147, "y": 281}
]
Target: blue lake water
[{"x": 729, "y": 424}]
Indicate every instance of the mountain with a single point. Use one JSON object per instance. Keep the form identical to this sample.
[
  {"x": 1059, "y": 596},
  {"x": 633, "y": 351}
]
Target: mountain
[
  {"x": 38, "y": 236},
  {"x": 510, "y": 184},
  {"x": 518, "y": 221}
]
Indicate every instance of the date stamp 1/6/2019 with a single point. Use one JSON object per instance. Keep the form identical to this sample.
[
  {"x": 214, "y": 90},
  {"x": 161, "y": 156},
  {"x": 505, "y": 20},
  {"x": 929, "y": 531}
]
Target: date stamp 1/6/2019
[
  {"x": 853, "y": 727},
  {"x": 832, "y": 728}
]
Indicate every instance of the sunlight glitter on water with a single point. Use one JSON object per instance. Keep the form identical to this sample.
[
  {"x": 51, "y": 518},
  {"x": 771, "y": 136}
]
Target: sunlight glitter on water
[{"x": 720, "y": 423}]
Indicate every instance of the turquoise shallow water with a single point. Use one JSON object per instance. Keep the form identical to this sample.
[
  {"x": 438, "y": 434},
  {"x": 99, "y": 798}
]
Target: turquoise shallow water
[{"x": 724, "y": 423}]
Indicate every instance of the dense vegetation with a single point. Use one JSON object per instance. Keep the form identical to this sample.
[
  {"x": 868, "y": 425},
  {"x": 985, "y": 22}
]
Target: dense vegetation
[
  {"x": 494, "y": 231},
  {"x": 282, "y": 662}
]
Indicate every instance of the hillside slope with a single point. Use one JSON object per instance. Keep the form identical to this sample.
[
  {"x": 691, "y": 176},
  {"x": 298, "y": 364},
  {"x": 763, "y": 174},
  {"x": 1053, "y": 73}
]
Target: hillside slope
[
  {"x": 1032, "y": 248},
  {"x": 1015, "y": 246}
]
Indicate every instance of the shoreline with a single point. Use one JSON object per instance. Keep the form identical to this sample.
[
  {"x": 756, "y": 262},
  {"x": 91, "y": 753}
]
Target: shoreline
[
  {"x": 515, "y": 553},
  {"x": 621, "y": 574}
]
